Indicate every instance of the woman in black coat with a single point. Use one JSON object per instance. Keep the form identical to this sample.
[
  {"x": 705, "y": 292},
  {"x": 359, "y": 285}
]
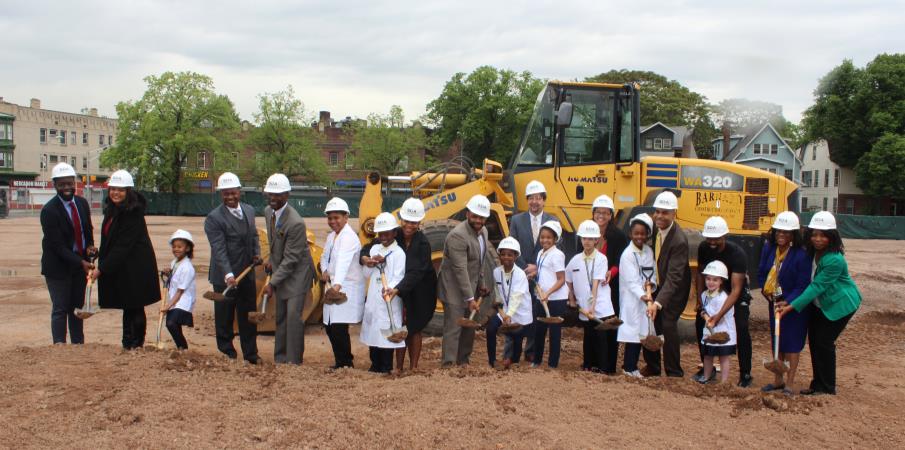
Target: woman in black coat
[
  {"x": 126, "y": 273},
  {"x": 418, "y": 288},
  {"x": 612, "y": 245}
]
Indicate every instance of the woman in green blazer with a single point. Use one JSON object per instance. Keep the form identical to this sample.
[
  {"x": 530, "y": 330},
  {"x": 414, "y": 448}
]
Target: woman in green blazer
[{"x": 834, "y": 294}]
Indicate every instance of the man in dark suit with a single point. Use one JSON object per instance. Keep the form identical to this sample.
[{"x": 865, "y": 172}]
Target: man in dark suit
[
  {"x": 671, "y": 296},
  {"x": 231, "y": 231},
  {"x": 525, "y": 227},
  {"x": 67, "y": 244},
  {"x": 292, "y": 268}
]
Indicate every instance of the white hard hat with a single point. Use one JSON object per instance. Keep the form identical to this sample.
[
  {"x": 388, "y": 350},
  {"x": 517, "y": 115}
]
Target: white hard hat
[
  {"x": 645, "y": 219},
  {"x": 479, "y": 205},
  {"x": 277, "y": 184},
  {"x": 666, "y": 200},
  {"x": 715, "y": 227},
  {"x": 535, "y": 187},
  {"x": 181, "y": 234},
  {"x": 228, "y": 180},
  {"x": 555, "y": 227},
  {"x": 717, "y": 269},
  {"x": 589, "y": 229},
  {"x": 510, "y": 243},
  {"x": 121, "y": 179},
  {"x": 336, "y": 204},
  {"x": 412, "y": 210},
  {"x": 385, "y": 222},
  {"x": 822, "y": 220},
  {"x": 604, "y": 201},
  {"x": 787, "y": 220},
  {"x": 62, "y": 170}
]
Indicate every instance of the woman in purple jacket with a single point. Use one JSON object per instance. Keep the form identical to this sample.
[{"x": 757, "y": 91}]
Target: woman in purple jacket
[{"x": 784, "y": 273}]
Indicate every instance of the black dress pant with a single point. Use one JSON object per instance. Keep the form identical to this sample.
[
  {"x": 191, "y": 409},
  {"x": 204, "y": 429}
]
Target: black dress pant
[
  {"x": 822, "y": 335},
  {"x": 134, "y": 326},
  {"x": 595, "y": 348},
  {"x": 743, "y": 338},
  {"x": 342, "y": 345},
  {"x": 66, "y": 294},
  {"x": 667, "y": 324},
  {"x": 630, "y": 355},
  {"x": 238, "y": 303},
  {"x": 381, "y": 359}
]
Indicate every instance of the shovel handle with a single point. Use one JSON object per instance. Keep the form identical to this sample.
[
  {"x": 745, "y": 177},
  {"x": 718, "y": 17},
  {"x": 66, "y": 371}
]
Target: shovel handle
[{"x": 776, "y": 320}]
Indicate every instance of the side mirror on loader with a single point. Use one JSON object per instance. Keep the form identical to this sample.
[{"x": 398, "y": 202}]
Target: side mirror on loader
[{"x": 564, "y": 114}]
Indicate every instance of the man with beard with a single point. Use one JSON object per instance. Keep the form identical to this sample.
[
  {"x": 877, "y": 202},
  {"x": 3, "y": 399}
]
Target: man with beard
[
  {"x": 715, "y": 247},
  {"x": 67, "y": 246}
]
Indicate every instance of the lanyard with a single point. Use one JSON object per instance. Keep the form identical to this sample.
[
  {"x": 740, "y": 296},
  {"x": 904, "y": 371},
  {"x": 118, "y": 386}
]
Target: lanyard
[
  {"x": 707, "y": 300},
  {"x": 542, "y": 257},
  {"x": 332, "y": 247},
  {"x": 589, "y": 272},
  {"x": 504, "y": 281}
]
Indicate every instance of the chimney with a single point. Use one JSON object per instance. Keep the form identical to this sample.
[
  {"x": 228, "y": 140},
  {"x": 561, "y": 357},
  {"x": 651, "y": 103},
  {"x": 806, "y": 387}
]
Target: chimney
[
  {"x": 725, "y": 139},
  {"x": 92, "y": 112},
  {"x": 324, "y": 121},
  {"x": 35, "y": 103}
]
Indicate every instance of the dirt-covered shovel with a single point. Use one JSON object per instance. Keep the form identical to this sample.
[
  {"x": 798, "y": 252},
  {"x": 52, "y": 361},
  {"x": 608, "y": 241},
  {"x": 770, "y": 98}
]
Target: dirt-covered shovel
[
  {"x": 716, "y": 338},
  {"x": 777, "y": 365},
  {"x": 220, "y": 296},
  {"x": 165, "y": 281},
  {"x": 548, "y": 319},
  {"x": 393, "y": 334},
  {"x": 256, "y": 317},
  {"x": 89, "y": 309}
]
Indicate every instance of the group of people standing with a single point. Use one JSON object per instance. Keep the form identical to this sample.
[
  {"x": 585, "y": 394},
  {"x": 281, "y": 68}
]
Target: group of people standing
[{"x": 624, "y": 288}]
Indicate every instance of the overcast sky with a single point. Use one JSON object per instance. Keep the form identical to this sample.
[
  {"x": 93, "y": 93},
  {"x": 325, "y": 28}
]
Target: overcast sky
[{"x": 353, "y": 58}]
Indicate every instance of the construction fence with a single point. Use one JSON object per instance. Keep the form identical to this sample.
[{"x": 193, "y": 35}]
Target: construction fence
[
  {"x": 307, "y": 204},
  {"x": 866, "y": 227}
]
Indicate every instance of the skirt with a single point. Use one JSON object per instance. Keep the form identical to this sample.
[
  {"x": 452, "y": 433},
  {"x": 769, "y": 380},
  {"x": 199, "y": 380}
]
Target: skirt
[
  {"x": 181, "y": 317},
  {"x": 719, "y": 350},
  {"x": 793, "y": 330}
]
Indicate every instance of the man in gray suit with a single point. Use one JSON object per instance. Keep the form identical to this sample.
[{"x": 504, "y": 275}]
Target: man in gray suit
[
  {"x": 231, "y": 231},
  {"x": 525, "y": 227},
  {"x": 292, "y": 270},
  {"x": 461, "y": 279}
]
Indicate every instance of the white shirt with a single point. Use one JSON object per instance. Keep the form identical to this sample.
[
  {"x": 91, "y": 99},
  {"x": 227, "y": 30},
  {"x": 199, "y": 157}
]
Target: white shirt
[
  {"x": 580, "y": 273},
  {"x": 549, "y": 262},
  {"x": 535, "y": 224},
  {"x": 183, "y": 277},
  {"x": 712, "y": 303},
  {"x": 279, "y": 213},
  {"x": 515, "y": 294},
  {"x": 237, "y": 212}
]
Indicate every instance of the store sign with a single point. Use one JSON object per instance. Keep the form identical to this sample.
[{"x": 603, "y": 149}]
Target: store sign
[
  {"x": 196, "y": 174},
  {"x": 32, "y": 184}
]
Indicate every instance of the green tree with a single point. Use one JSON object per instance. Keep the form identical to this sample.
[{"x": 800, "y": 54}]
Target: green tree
[
  {"x": 854, "y": 107},
  {"x": 283, "y": 140},
  {"x": 384, "y": 143},
  {"x": 487, "y": 109},
  {"x": 178, "y": 116},
  {"x": 668, "y": 101},
  {"x": 881, "y": 171}
]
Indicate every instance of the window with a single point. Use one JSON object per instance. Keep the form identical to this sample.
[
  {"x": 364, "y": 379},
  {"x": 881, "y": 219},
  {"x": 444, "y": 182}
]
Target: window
[
  {"x": 53, "y": 134},
  {"x": 3, "y": 157},
  {"x": 72, "y": 160},
  {"x": 814, "y": 154},
  {"x": 110, "y": 140},
  {"x": 826, "y": 180},
  {"x": 770, "y": 169},
  {"x": 73, "y": 137},
  {"x": 849, "y": 206},
  {"x": 658, "y": 144},
  {"x": 836, "y": 178},
  {"x": 667, "y": 143},
  {"x": 85, "y": 162},
  {"x": 789, "y": 173},
  {"x": 804, "y": 203},
  {"x": 806, "y": 178},
  {"x": 100, "y": 139},
  {"x": 53, "y": 159},
  {"x": 774, "y": 149},
  {"x": 202, "y": 160},
  {"x": 824, "y": 203},
  {"x": 756, "y": 149},
  {"x": 334, "y": 159},
  {"x": 6, "y": 131},
  {"x": 42, "y": 136},
  {"x": 62, "y": 137},
  {"x": 816, "y": 178},
  {"x": 44, "y": 161},
  {"x": 648, "y": 143},
  {"x": 835, "y": 205},
  {"x": 85, "y": 138}
]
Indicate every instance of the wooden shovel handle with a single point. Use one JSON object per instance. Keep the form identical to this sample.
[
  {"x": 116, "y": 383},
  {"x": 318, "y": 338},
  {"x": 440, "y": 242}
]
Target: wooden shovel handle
[{"x": 244, "y": 273}]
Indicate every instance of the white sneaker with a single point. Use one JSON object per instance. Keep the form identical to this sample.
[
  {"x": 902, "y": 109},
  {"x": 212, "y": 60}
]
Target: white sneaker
[{"x": 632, "y": 374}]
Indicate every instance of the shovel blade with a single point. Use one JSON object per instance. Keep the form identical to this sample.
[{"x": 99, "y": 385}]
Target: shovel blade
[
  {"x": 467, "y": 323},
  {"x": 214, "y": 296},
  {"x": 776, "y": 366},
  {"x": 256, "y": 317},
  {"x": 551, "y": 320},
  {"x": 84, "y": 313},
  {"x": 510, "y": 328},
  {"x": 399, "y": 335}
]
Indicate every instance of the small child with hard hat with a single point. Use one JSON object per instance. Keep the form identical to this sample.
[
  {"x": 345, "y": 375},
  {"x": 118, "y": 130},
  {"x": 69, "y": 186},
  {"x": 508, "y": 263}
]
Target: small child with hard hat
[
  {"x": 181, "y": 286},
  {"x": 514, "y": 307},
  {"x": 716, "y": 275}
]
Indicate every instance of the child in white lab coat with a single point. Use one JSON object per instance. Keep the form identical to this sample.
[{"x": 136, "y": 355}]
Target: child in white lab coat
[
  {"x": 637, "y": 272},
  {"x": 716, "y": 275},
  {"x": 389, "y": 258},
  {"x": 515, "y": 302},
  {"x": 588, "y": 290}
]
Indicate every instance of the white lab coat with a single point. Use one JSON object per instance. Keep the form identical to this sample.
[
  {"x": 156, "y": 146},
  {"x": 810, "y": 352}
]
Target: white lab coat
[
  {"x": 340, "y": 260},
  {"x": 577, "y": 275},
  {"x": 633, "y": 311},
  {"x": 712, "y": 306},
  {"x": 516, "y": 290},
  {"x": 375, "y": 314}
]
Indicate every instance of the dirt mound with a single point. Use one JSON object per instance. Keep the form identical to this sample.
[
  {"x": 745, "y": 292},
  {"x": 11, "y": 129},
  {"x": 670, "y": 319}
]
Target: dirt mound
[{"x": 894, "y": 319}]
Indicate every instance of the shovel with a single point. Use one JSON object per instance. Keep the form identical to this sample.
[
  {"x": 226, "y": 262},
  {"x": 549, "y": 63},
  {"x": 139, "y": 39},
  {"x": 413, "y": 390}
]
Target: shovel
[
  {"x": 776, "y": 366},
  {"x": 165, "y": 280},
  {"x": 719, "y": 338},
  {"x": 652, "y": 342},
  {"x": 393, "y": 334},
  {"x": 552, "y": 320},
  {"x": 506, "y": 328},
  {"x": 258, "y": 317},
  {"x": 330, "y": 296},
  {"x": 220, "y": 296},
  {"x": 89, "y": 309}
]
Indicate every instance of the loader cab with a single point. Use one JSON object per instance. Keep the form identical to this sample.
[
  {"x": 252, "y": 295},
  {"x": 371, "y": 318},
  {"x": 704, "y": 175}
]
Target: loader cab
[{"x": 582, "y": 141}]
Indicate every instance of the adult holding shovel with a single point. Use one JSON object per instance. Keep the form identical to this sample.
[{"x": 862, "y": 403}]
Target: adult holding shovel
[
  {"x": 833, "y": 292},
  {"x": 291, "y": 268},
  {"x": 612, "y": 244},
  {"x": 233, "y": 236},
  {"x": 67, "y": 246},
  {"x": 784, "y": 273},
  {"x": 126, "y": 272},
  {"x": 341, "y": 272}
]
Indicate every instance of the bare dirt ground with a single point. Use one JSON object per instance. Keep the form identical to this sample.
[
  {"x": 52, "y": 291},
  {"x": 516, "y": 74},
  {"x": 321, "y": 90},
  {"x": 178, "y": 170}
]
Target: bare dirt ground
[{"x": 97, "y": 396}]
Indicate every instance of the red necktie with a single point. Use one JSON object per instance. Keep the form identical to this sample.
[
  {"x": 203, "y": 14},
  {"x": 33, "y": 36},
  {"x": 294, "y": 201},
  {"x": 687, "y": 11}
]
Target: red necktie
[{"x": 76, "y": 227}]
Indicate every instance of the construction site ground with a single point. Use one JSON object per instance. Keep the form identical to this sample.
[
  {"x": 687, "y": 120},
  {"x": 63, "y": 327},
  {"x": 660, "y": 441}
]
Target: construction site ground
[{"x": 98, "y": 396}]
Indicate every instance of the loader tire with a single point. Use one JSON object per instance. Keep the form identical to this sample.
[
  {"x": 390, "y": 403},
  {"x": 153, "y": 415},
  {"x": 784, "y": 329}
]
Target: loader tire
[{"x": 436, "y": 232}]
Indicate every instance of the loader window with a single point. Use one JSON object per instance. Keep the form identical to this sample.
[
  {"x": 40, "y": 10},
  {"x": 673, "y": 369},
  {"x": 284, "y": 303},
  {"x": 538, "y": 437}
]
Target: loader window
[
  {"x": 537, "y": 144},
  {"x": 588, "y": 139}
]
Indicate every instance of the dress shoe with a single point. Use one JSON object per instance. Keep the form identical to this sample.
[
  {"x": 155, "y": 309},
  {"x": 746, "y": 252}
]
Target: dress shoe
[
  {"x": 647, "y": 372},
  {"x": 745, "y": 381}
]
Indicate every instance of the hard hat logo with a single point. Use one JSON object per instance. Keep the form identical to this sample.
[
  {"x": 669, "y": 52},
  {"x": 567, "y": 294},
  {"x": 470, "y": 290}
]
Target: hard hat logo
[
  {"x": 385, "y": 222},
  {"x": 62, "y": 170},
  {"x": 555, "y": 227},
  {"x": 604, "y": 201},
  {"x": 121, "y": 179},
  {"x": 228, "y": 180},
  {"x": 716, "y": 269},
  {"x": 645, "y": 219},
  {"x": 412, "y": 210},
  {"x": 666, "y": 200},
  {"x": 510, "y": 243},
  {"x": 336, "y": 204},
  {"x": 715, "y": 227},
  {"x": 277, "y": 184},
  {"x": 823, "y": 220},
  {"x": 535, "y": 187},
  {"x": 787, "y": 220},
  {"x": 589, "y": 229},
  {"x": 181, "y": 234},
  {"x": 479, "y": 205}
]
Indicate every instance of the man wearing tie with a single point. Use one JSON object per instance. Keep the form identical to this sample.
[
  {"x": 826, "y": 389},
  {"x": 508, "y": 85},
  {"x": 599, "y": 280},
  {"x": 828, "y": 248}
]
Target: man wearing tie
[
  {"x": 67, "y": 244},
  {"x": 671, "y": 254},
  {"x": 525, "y": 228}
]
